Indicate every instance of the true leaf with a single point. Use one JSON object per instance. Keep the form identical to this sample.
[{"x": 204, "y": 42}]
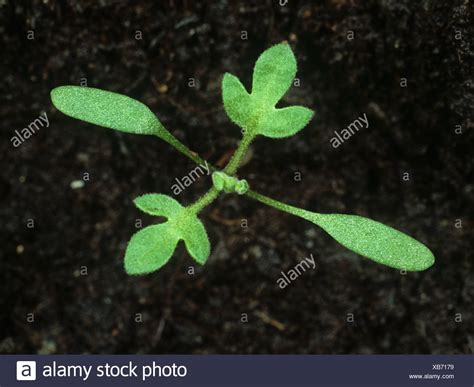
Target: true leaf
[
  {"x": 182, "y": 224},
  {"x": 279, "y": 123},
  {"x": 196, "y": 240},
  {"x": 158, "y": 205},
  {"x": 273, "y": 74},
  {"x": 149, "y": 249},
  {"x": 237, "y": 102},
  {"x": 374, "y": 240},
  {"x": 104, "y": 108}
]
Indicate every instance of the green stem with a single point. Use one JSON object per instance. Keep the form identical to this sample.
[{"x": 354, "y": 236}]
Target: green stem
[
  {"x": 239, "y": 153},
  {"x": 180, "y": 147},
  {"x": 204, "y": 200},
  {"x": 283, "y": 206},
  {"x": 230, "y": 168}
]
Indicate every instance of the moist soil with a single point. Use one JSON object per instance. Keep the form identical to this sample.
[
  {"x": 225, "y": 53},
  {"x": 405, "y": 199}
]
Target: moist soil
[{"x": 406, "y": 64}]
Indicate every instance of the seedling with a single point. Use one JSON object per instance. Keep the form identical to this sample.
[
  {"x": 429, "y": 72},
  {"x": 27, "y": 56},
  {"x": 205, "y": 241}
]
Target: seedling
[{"x": 255, "y": 113}]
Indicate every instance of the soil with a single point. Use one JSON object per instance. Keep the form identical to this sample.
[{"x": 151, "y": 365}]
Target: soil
[{"x": 408, "y": 66}]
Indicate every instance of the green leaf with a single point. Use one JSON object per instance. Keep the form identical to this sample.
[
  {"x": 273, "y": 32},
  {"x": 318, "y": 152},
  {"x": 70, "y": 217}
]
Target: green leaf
[
  {"x": 237, "y": 102},
  {"x": 285, "y": 122},
  {"x": 158, "y": 205},
  {"x": 375, "y": 240},
  {"x": 273, "y": 74},
  {"x": 149, "y": 249},
  {"x": 104, "y": 108},
  {"x": 366, "y": 237},
  {"x": 196, "y": 240}
]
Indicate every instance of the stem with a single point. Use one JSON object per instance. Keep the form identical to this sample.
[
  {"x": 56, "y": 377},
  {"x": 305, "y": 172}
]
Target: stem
[
  {"x": 180, "y": 147},
  {"x": 239, "y": 153},
  {"x": 279, "y": 205},
  {"x": 230, "y": 169},
  {"x": 234, "y": 162},
  {"x": 313, "y": 217},
  {"x": 204, "y": 200}
]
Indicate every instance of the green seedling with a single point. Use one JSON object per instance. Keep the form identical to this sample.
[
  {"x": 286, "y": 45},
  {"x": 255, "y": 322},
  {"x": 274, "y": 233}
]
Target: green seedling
[{"x": 255, "y": 113}]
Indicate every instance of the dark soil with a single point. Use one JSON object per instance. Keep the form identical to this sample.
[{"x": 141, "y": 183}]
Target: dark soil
[{"x": 413, "y": 129}]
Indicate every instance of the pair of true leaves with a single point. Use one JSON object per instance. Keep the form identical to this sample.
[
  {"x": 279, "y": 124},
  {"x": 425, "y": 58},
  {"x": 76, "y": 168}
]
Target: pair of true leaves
[{"x": 274, "y": 72}]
